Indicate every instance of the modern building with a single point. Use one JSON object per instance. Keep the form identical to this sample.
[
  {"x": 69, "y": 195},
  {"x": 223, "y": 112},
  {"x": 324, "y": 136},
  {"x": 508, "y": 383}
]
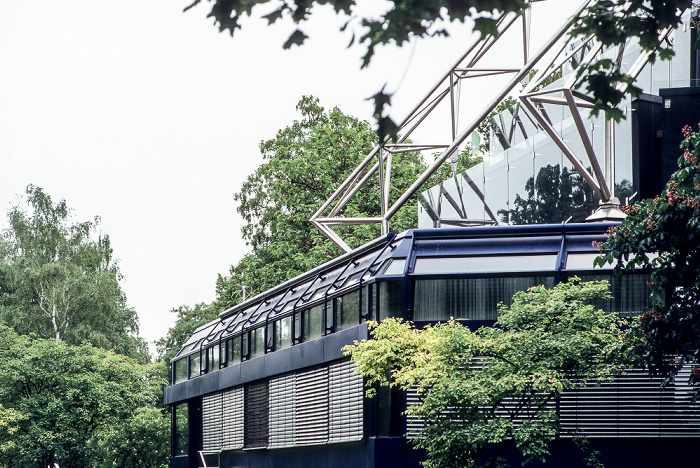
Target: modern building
[{"x": 267, "y": 383}]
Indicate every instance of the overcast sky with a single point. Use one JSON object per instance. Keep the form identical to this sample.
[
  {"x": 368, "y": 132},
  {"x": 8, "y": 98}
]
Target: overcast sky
[{"x": 150, "y": 118}]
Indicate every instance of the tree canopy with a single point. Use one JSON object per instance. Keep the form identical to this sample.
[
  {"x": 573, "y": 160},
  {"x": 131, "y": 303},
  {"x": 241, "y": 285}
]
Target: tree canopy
[
  {"x": 663, "y": 234},
  {"x": 611, "y": 21},
  {"x": 486, "y": 391},
  {"x": 304, "y": 164},
  {"x": 67, "y": 403},
  {"x": 187, "y": 321},
  {"x": 59, "y": 280}
]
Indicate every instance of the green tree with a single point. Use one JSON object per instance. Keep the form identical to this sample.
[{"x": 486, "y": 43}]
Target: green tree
[
  {"x": 613, "y": 22},
  {"x": 485, "y": 391},
  {"x": 303, "y": 165},
  {"x": 71, "y": 397},
  {"x": 59, "y": 280},
  {"x": 141, "y": 441},
  {"x": 188, "y": 320},
  {"x": 664, "y": 234}
]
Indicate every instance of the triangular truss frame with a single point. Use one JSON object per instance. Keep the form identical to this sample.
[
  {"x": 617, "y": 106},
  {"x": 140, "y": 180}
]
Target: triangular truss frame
[{"x": 559, "y": 51}]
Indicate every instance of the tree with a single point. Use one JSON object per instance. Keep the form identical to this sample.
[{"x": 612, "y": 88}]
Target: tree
[
  {"x": 141, "y": 441},
  {"x": 59, "y": 280},
  {"x": 611, "y": 21},
  {"x": 303, "y": 165},
  {"x": 70, "y": 397},
  {"x": 188, "y": 320},
  {"x": 663, "y": 234},
  {"x": 485, "y": 391}
]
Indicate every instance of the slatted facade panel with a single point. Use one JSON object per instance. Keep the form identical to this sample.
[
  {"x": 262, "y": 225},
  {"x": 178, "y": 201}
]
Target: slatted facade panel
[
  {"x": 256, "y": 414},
  {"x": 232, "y": 402},
  {"x": 633, "y": 405},
  {"x": 311, "y": 411},
  {"x": 345, "y": 403},
  {"x": 413, "y": 423},
  {"x": 282, "y": 411},
  {"x": 212, "y": 422}
]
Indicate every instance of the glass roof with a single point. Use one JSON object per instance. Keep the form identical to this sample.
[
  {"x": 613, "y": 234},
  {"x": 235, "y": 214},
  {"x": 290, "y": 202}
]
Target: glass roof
[{"x": 487, "y": 250}]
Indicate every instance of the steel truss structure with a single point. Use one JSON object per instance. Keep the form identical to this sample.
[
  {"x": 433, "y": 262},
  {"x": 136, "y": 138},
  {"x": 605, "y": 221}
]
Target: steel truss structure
[{"x": 561, "y": 54}]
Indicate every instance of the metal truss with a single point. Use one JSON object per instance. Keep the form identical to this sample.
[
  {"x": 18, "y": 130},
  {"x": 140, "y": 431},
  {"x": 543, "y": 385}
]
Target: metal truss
[{"x": 523, "y": 70}]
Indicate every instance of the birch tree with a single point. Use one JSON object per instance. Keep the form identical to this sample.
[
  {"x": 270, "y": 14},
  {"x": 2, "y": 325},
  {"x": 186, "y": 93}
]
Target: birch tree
[{"x": 60, "y": 280}]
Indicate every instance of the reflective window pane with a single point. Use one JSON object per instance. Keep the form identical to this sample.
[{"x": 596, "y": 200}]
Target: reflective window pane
[
  {"x": 283, "y": 333},
  {"x": 180, "y": 370},
  {"x": 470, "y": 298},
  {"x": 389, "y": 300},
  {"x": 180, "y": 427},
  {"x": 630, "y": 293},
  {"x": 257, "y": 342},
  {"x": 312, "y": 320},
  {"x": 195, "y": 365},
  {"x": 348, "y": 310},
  {"x": 234, "y": 350},
  {"x": 485, "y": 264}
]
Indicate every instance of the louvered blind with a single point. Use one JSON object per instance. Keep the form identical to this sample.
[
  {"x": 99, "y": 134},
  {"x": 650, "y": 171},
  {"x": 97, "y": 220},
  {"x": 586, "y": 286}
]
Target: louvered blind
[
  {"x": 212, "y": 422},
  {"x": 232, "y": 402},
  {"x": 413, "y": 423},
  {"x": 311, "y": 411},
  {"x": 633, "y": 405},
  {"x": 345, "y": 406},
  {"x": 255, "y": 432},
  {"x": 282, "y": 411}
]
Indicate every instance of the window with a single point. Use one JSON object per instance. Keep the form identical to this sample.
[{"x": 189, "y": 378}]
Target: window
[
  {"x": 257, "y": 342},
  {"x": 312, "y": 322},
  {"x": 329, "y": 317},
  {"x": 180, "y": 428},
  {"x": 179, "y": 371},
  {"x": 234, "y": 350},
  {"x": 347, "y": 309},
  {"x": 469, "y": 298},
  {"x": 222, "y": 354},
  {"x": 195, "y": 365},
  {"x": 484, "y": 264},
  {"x": 269, "y": 337},
  {"x": 213, "y": 355},
  {"x": 389, "y": 299},
  {"x": 630, "y": 293},
  {"x": 283, "y": 333},
  {"x": 369, "y": 302}
]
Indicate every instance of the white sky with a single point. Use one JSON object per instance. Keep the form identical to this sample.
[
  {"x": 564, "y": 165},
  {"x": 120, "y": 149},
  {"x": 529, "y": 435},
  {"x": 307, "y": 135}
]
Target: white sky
[{"x": 151, "y": 119}]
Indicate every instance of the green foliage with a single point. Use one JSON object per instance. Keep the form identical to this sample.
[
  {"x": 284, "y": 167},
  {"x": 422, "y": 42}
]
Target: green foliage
[
  {"x": 483, "y": 392},
  {"x": 188, "y": 320},
  {"x": 304, "y": 164},
  {"x": 70, "y": 399},
  {"x": 58, "y": 279},
  {"x": 141, "y": 441},
  {"x": 402, "y": 20},
  {"x": 612, "y": 22},
  {"x": 664, "y": 234}
]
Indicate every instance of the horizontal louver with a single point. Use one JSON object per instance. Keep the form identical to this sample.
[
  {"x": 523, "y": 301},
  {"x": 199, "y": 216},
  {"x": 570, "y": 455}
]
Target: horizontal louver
[
  {"x": 256, "y": 414},
  {"x": 233, "y": 418},
  {"x": 212, "y": 421},
  {"x": 282, "y": 411},
  {"x": 345, "y": 403},
  {"x": 633, "y": 405},
  {"x": 311, "y": 411},
  {"x": 413, "y": 423}
]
